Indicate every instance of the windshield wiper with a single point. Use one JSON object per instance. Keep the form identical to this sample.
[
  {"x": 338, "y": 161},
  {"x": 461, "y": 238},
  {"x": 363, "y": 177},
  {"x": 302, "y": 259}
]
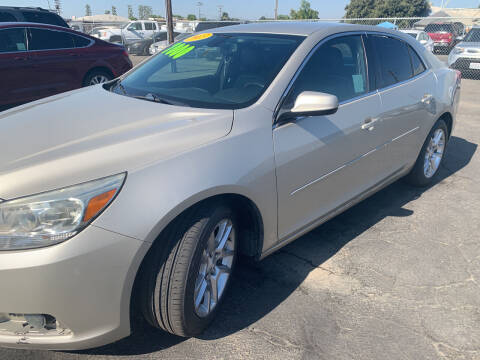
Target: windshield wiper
[{"x": 158, "y": 99}]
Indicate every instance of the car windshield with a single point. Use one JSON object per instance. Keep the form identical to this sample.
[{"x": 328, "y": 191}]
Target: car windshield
[
  {"x": 222, "y": 71},
  {"x": 433, "y": 28},
  {"x": 473, "y": 36}
]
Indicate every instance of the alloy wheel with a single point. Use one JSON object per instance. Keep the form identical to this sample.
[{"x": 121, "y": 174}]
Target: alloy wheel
[
  {"x": 434, "y": 153},
  {"x": 98, "y": 79},
  {"x": 215, "y": 268}
]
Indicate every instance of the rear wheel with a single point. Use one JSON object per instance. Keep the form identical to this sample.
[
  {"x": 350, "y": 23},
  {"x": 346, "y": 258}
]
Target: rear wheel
[
  {"x": 431, "y": 156},
  {"x": 96, "y": 77},
  {"x": 187, "y": 273}
]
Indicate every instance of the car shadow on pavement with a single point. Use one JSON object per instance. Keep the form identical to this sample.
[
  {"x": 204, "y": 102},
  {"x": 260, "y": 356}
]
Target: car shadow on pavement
[{"x": 258, "y": 289}]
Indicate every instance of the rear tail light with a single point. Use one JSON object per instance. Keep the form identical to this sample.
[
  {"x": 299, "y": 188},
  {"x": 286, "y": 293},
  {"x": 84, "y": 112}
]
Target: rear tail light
[
  {"x": 125, "y": 53},
  {"x": 459, "y": 75}
]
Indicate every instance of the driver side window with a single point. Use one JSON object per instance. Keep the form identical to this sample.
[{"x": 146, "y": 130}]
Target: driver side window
[
  {"x": 135, "y": 26},
  {"x": 337, "y": 67}
]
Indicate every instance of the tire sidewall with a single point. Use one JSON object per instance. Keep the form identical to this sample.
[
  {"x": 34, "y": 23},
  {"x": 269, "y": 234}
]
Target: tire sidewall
[{"x": 192, "y": 322}]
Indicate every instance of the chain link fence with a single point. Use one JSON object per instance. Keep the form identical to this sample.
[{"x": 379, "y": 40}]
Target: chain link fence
[{"x": 455, "y": 40}]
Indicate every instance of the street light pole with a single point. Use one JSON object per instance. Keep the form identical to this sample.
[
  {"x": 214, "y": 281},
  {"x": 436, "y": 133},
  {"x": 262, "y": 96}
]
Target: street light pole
[
  {"x": 276, "y": 9},
  {"x": 169, "y": 16}
]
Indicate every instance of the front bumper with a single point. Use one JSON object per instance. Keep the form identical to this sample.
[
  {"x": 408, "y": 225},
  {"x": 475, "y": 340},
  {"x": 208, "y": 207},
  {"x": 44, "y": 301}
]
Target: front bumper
[{"x": 84, "y": 283}]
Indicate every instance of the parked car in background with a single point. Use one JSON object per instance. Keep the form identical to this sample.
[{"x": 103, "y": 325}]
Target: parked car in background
[
  {"x": 142, "y": 47},
  {"x": 444, "y": 35},
  {"x": 163, "y": 177},
  {"x": 207, "y": 25},
  {"x": 465, "y": 56},
  {"x": 30, "y": 14},
  {"x": 38, "y": 60},
  {"x": 422, "y": 37},
  {"x": 160, "y": 45},
  {"x": 134, "y": 30}
]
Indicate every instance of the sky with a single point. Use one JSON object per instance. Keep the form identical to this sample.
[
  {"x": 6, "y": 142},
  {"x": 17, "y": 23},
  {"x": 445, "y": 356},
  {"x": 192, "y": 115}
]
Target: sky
[{"x": 243, "y": 9}]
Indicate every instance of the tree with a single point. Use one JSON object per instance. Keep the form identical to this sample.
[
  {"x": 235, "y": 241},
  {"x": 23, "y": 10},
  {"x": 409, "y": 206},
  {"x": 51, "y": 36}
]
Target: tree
[
  {"x": 131, "y": 15},
  {"x": 107, "y": 12},
  {"x": 386, "y": 8},
  {"x": 283, "y": 17},
  {"x": 144, "y": 12},
  {"x": 114, "y": 10},
  {"x": 305, "y": 12},
  {"x": 88, "y": 10},
  {"x": 191, "y": 17},
  {"x": 225, "y": 16},
  {"x": 178, "y": 17}
]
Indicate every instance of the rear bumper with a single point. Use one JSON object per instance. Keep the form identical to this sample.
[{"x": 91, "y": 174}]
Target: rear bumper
[
  {"x": 85, "y": 283},
  {"x": 464, "y": 64}
]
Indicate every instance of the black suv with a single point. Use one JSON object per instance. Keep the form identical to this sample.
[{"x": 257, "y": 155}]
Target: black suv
[{"x": 29, "y": 14}]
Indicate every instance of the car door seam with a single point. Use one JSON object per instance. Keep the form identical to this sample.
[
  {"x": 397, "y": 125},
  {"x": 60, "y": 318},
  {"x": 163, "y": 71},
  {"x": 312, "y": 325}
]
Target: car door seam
[{"x": 351, "y": 162}]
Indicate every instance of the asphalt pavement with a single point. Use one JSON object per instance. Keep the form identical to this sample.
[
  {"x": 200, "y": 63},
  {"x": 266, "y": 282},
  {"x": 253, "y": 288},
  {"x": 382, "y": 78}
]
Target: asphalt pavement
[{"x": 395, "y": 277}]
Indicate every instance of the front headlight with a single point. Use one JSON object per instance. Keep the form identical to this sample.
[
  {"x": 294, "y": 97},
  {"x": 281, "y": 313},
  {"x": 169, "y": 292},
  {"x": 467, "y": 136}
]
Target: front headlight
[
  {"x": 55, "y": 216},
  {"x": 458, "y": 50}
]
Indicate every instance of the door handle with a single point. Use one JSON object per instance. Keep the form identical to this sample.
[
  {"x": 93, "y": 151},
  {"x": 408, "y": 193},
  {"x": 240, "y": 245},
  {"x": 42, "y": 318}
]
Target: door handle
[
  {"x": 369, "y": 124},
  {"x": 427, "y": 99}
]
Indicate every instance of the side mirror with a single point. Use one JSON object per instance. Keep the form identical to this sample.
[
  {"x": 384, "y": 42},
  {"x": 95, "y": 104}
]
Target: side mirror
[{"x": 310, "y": 103}]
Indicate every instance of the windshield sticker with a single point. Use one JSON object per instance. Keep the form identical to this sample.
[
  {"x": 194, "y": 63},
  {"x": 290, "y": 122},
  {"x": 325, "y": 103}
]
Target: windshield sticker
[
  {"x": 178, "y": 50},
  {"x": 198, "y": 37}
]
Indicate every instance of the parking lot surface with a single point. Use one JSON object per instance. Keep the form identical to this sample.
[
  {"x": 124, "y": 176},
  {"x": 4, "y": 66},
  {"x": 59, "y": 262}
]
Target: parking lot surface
[{"x": 395, "y": 277}]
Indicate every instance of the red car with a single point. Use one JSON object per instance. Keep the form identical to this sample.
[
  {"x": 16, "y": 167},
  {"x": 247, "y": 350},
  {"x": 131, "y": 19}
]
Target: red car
[{"x": 38, "y": 60}]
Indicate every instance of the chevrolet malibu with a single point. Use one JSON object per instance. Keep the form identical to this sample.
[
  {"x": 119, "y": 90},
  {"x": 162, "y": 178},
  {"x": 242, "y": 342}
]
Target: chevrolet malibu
[{"x": 145, "y": 190}]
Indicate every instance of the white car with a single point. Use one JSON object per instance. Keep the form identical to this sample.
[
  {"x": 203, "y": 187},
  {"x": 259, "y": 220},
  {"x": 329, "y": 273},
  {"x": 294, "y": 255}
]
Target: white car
[
  {"x": 422, "y": 37},
  {"x": 133, "y": 31}
]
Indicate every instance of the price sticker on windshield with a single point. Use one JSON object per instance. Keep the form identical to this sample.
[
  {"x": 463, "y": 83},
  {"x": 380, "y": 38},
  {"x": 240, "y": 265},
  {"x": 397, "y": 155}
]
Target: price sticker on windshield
[{"x": 198, "y": 37}]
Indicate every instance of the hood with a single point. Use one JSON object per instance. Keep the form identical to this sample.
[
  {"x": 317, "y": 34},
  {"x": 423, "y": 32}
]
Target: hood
[{"x": 90, "y": 133}]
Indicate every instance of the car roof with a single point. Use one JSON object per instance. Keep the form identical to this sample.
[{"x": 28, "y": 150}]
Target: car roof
[
  {"x": 278, "y": 27},
  {"x": 299, "y": 28},
  {"x": 23, "y": 24}
]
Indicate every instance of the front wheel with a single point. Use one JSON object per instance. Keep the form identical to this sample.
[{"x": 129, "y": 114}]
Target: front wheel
[
  {"x": 431, "y": 156},
  {"x": 187, "y": 273}
]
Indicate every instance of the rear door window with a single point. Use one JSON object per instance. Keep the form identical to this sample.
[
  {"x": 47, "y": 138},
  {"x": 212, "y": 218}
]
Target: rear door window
[
  {"x": 149, "y": 26},
  {"x": 393, "y": 59},
  {"x": 43, "y": 39},
  {"x": 7, "y": 17},
  {"x": 12, "y": 40}
]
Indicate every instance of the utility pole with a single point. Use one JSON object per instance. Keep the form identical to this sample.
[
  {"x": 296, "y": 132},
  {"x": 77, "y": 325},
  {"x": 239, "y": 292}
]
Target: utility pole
[
  {"x": 199, "y": 4},
  {"x": 276, "y": 9},
  {"x": 220, "y": 8},
  {"x": 169, "y": 17}
]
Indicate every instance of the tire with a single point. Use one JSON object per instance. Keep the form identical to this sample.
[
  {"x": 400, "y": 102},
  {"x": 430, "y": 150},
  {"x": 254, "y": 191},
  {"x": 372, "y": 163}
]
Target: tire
[
  {"x": 174, "y": 271},
  {"x": 95, "y": 77},
  {"x": 420, "y": 175}
]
